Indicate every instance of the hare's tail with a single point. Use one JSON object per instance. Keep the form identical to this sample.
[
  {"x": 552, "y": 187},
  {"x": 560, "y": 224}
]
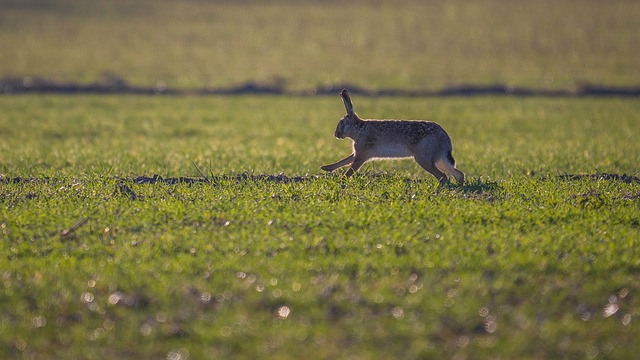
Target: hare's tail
[{"x": 448, "y": 165}]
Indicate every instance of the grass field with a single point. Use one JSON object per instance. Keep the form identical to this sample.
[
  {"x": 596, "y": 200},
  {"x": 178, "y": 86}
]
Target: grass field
[
  {"x": 407, "y": 44},
  {"x": 518, "y": 263},
  {"x": 201, "y": 227}
]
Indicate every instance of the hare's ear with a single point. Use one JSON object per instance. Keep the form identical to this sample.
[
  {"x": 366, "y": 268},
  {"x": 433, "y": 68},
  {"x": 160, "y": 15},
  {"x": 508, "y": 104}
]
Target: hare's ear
[{"x": 344, "y": 94}]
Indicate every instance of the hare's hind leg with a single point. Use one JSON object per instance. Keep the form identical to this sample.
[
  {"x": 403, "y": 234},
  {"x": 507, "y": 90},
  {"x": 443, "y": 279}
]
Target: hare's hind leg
[
  {"x": 346, "y": 161},
  {"x": 427, "y": 163},
  {"x": 448, "y": 165}
]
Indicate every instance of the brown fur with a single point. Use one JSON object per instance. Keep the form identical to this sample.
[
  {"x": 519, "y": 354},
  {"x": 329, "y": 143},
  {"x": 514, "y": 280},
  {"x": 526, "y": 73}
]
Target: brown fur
[{"x": 427, "y": 142}]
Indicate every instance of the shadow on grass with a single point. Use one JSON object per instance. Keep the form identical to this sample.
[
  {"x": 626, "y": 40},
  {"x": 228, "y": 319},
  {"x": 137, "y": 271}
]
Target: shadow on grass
[{"x": 479, "y": 186}]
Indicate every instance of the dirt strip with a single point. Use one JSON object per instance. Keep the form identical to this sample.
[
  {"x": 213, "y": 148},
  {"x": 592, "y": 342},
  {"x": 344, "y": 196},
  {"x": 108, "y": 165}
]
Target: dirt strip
[
  {"x": 281, "y": 178},
  {"x": 116, "y": 85}
]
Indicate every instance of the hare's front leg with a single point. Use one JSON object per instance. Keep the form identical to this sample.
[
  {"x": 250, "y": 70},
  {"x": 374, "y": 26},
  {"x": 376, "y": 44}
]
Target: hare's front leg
[
  {"x": 357, "y": 163},
  {"x": 344, "y": 162}
]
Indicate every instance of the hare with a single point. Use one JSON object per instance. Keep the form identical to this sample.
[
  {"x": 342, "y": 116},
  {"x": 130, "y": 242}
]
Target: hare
[{"x": 427, "y": 142}]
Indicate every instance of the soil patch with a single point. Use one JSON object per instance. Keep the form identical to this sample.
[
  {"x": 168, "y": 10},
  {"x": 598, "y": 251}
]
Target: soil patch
[{"x": 117, "y": 85}]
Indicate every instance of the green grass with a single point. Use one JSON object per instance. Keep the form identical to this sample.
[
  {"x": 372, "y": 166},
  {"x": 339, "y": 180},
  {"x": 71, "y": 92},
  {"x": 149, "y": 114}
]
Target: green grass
[
  {"x": 130, "y": 135},
  {"x": 265, "y": 257},
  {"x": 518, "y": 263},
  {"x": 544, "y": 44}
]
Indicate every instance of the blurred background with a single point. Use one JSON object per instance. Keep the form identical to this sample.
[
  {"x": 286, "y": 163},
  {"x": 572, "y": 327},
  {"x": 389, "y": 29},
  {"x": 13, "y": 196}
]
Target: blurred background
[{"x": 298, "y": 45}]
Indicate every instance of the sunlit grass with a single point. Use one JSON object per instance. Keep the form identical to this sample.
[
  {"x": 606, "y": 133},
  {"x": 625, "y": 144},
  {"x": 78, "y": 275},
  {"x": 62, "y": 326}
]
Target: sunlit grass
[
  {"x": 518, "y": 263},
  {"x": 411, "y": 44},
  {"x": 259, "y": 254},
  {"x": 131, "y": 135}
]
